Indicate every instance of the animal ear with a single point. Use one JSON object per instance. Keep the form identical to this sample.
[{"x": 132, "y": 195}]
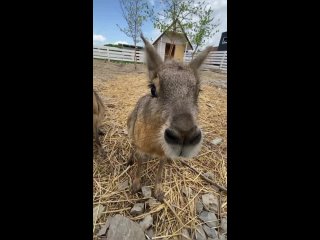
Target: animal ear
[
  {"x": 196, "y": 62},
  {"x": 153, "y": 59}
]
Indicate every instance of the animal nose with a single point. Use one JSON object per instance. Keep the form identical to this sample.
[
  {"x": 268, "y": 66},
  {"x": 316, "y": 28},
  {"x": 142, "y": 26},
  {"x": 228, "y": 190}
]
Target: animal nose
[
  {"x": 190, "y": 137},
  {"x": 194, "y": 137},
  {"x": 172, "y": 137}
]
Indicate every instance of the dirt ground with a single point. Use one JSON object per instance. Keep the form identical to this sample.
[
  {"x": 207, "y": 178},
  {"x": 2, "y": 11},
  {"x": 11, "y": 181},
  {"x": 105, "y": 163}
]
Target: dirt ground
[
  {"x": 119, "y": 87},
  {"x": 105, "y": 71}
]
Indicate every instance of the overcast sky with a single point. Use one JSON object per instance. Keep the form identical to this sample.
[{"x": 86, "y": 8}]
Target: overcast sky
[{"x": 107, "y": 14}]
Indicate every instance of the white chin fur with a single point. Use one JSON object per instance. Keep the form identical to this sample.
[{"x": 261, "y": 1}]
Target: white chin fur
[{"x": 174, "y": 151}]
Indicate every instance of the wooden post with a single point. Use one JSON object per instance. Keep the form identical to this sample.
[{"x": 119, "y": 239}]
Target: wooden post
[
  {"x": 107, "y": 57},
  {"x": 222, "y": 60},
  {"x": 185, "y": 51}
]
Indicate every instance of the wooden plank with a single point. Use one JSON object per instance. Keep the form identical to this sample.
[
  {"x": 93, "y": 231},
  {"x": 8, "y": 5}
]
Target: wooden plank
[
  {"x": 210, "y": 62},
  {"x": 116, "y": 53},
  {"x": 117, "y": 49},
  {"x": 209, "y": 57},
  {"x": 121, "y": 54},
  {"x": 217, "y": 59},
  {"x": 209, "y": 65},
  {"x": 116, "y": 58}
]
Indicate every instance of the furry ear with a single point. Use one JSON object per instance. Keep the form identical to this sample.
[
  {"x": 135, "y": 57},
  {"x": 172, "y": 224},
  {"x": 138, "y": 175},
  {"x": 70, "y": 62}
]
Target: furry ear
[
  {"x": 153, "y": 59},
  {"x": 196, "y": 62}
]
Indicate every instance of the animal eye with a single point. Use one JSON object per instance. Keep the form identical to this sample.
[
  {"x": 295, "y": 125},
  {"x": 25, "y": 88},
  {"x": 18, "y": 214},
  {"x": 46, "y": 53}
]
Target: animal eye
[{"x": 153, "y": 90}]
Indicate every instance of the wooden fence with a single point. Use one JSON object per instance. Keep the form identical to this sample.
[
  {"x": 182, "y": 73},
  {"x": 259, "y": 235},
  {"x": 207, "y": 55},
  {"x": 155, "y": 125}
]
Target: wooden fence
[
  {"x": 215, "y": 60},
  {"x": 119, "y": 54}
]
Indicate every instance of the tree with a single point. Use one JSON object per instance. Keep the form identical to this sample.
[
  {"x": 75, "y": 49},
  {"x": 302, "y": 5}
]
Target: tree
[
  {"x": 135, "y": 13},
  {"x": 172, "y": 10},
  {"x": 204, "y": 28},
  {"x": 196, "y": 18}
]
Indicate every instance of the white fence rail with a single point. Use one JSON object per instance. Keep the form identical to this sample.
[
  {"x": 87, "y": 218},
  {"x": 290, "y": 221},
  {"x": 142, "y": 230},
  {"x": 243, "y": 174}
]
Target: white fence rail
[
  {"x": 119, "y": 54},
  {"x": 215, "y": 60}
]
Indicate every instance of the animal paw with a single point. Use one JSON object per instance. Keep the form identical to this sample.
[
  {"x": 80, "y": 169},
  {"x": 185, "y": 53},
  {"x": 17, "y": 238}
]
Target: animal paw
[
  {"x": 159, "y": 195},
  {"x": 136, "y": 186}
]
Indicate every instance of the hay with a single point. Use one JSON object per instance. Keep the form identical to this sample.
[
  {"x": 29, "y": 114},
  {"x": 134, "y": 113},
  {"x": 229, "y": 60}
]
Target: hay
[{"x": 120, "y": 94}]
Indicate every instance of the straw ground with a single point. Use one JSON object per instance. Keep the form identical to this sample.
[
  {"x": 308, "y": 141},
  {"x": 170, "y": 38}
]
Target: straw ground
[{"x": 120, "y": 87}]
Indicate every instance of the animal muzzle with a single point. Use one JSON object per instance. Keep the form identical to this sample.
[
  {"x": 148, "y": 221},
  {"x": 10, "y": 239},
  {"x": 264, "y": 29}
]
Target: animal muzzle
[
  {"x": 186, "y": 138},
  {"x": 183, "y": 131}
]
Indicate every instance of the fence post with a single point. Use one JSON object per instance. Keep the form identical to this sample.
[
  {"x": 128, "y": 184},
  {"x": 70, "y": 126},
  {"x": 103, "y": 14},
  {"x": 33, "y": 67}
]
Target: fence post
[
  {"x": 222, "y": 60},
  {"x": 107, "y": 56}
]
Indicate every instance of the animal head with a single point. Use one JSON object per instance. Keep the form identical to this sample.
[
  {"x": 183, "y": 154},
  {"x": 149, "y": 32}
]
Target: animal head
[{"x": 176, "y": 88}]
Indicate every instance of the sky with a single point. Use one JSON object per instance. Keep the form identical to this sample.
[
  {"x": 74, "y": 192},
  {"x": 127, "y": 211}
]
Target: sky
[{"x": 107, "y": 14}]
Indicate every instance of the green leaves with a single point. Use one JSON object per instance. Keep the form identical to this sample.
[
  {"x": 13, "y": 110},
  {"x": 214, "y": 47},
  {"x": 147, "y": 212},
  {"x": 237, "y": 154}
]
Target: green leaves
[{"x": 196, "y": 18}]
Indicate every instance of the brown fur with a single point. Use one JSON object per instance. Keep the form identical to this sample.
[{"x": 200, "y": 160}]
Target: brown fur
[
  {"x": 98, "y": 116},
  {"x": 141, "y": 132},
  {"x": 175, "y": 107}
]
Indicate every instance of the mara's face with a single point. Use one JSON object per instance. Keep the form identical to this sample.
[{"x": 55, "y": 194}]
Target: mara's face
[
  {"x": 176, "y": 91},
  {"x": 176, "y": 88}
]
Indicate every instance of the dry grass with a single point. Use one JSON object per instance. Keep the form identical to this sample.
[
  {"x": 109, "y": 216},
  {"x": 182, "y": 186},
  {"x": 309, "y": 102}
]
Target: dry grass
[{"x": 120, "y": 94}]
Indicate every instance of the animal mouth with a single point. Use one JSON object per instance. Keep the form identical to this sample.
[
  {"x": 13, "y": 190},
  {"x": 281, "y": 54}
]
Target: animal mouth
[{"x": 181, "y": 149}]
